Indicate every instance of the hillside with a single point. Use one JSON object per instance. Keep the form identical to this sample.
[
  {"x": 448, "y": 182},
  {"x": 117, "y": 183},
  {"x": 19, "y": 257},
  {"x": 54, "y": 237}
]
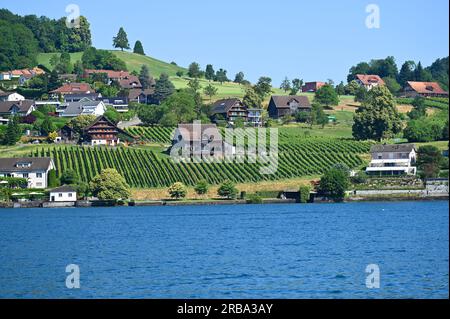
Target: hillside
[{"x": 133, "y": 61}]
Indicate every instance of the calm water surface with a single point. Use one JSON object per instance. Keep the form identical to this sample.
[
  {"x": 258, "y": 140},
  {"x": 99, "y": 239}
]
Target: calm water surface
[{"x": 269, "y": 251}]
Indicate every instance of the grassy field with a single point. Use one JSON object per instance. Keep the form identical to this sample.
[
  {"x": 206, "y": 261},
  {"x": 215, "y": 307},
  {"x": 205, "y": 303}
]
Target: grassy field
[
  {"x": 133, "y": 61},
  {"x": 249, "y": 188}
]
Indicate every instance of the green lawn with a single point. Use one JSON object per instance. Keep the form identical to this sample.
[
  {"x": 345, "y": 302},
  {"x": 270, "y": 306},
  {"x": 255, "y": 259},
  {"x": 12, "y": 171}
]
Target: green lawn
[{"x": 44, "y": 58}]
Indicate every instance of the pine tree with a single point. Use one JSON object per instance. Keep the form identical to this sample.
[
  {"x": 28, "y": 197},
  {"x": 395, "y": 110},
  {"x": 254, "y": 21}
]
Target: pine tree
[
  {"x": 138, "y": 48},
  {"x": 145, "y": 77},
  {"x": 209, "y": 72},
  {"x": 121, "y": 40},
  {"x": 163, "y": 89}
]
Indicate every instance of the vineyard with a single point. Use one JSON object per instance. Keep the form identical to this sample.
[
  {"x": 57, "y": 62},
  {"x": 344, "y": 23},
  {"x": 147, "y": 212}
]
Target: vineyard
[{"x": 146, "y": 169}]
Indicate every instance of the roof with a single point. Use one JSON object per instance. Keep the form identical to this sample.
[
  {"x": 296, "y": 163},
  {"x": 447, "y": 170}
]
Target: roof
[
  {"x": 24, "y": 106},
  {"x": 111, "y": 74},
  {"x": 63, "y": 189},
  {"x": 78, "y": 108},
  {"x": 74, "y": 88},
  {"x": 127, "y": 82},
  {"x": 283, "y": 101},
  {"x": 37, "y": 164},
  {"x": 194, "y": 132},
  {"x": 105, "y": 119},
  {"x": 223, "y": 106},
  {"x": 368, "y": 79},
  {"x": 392, "y": 148},
  {"x": 426, "y": 87},
  {"x": 92, "y": 96},
  {"x": 134, "y": 93}
]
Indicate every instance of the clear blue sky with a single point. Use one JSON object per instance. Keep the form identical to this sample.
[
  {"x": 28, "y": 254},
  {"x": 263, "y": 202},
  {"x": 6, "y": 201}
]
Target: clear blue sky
[{"x": 312, "y": 40}]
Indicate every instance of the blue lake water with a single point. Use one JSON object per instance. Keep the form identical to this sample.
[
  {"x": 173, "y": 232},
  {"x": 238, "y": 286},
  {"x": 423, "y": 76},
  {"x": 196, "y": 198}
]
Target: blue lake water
[{"x": 268, "y": 251}]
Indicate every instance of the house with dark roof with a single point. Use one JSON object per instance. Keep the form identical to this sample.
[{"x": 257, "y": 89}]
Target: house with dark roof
[
  {"x": 423, "y": 89},
  {"x": 104, "y": 132},
  {"x": 312, "y": 86},
  {"x": 393, "y": 159},
  {"x": 34, "y": 169},
  {"x": 369, "y": 81},
  {"x": 140, "y": 95},
  {"x": 199, "y": 141},
  {"x": 20, "y": 108},
  {"x": 280, "y": 106},
  {"x": 130, "y": 82},
  {"x": 233, "y": 109}
]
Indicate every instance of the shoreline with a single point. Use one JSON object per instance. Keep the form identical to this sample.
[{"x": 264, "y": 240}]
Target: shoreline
[{"x": 172, "y": 203}]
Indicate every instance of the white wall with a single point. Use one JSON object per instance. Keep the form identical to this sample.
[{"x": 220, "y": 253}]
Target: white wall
[
  {"x": 63, "y": 197},
  {"x": 15, "y": 97}
]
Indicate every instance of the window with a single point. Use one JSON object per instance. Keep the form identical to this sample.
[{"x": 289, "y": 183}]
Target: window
[
  {"x": 25, "y": 175},
  {"x": 39, "y": 184},
  {"x": 60, "y": 195},
  {"x": 38, "y": 175},
  {"x": 70, "y": 194}
]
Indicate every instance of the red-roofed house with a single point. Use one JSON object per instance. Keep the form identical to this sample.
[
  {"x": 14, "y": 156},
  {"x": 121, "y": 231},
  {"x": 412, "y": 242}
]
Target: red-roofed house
[
  {"x": 369, "y": 81},
  {"x": 73, "y": 88},
  {"x": 112, "y": 75},
  {"x": 424, "y": 89}
]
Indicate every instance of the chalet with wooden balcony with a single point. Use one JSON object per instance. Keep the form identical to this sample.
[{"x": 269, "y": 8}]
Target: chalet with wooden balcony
[
  {"x": 233, "y": 109},
  {"x": 104, "y": 132}
]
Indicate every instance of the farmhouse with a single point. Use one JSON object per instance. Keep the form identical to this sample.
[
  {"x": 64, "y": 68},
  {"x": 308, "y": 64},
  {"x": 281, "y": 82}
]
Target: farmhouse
[
  {"x": 74, "y": 109},
  {"x": 369, "y": 81},
  {"x": 312, "y": 86},
  {"x": 63, "y": 194},
  {"x": 35, "y": 169},
  {"x": 104, "y": 132},
  {"x": 66, "y": 134},
  {"x": 73, "y": 88},
  {"x": 20, "y": 108},
  {"x": 424, "y": 89},
  {"x": 395, "y": 159},
  {"x": 199, "y": 141},
  {"x": 280, "y": 106}
]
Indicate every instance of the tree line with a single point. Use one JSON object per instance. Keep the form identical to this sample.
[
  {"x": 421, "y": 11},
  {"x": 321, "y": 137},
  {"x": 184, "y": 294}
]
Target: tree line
[{"x": 24, "y": 37}]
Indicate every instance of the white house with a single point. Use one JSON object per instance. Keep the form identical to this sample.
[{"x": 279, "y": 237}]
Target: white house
[
  {"x": 34, "y": 169},
  {"x": 397, "y": 159},
  {"x": 63, "y": 194},
  {"x": 11, "y": 97},
  {"x": 5, "y": 76},
  {"x": 74, "y": 109},
  {"x": 369, "y": 81}
]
